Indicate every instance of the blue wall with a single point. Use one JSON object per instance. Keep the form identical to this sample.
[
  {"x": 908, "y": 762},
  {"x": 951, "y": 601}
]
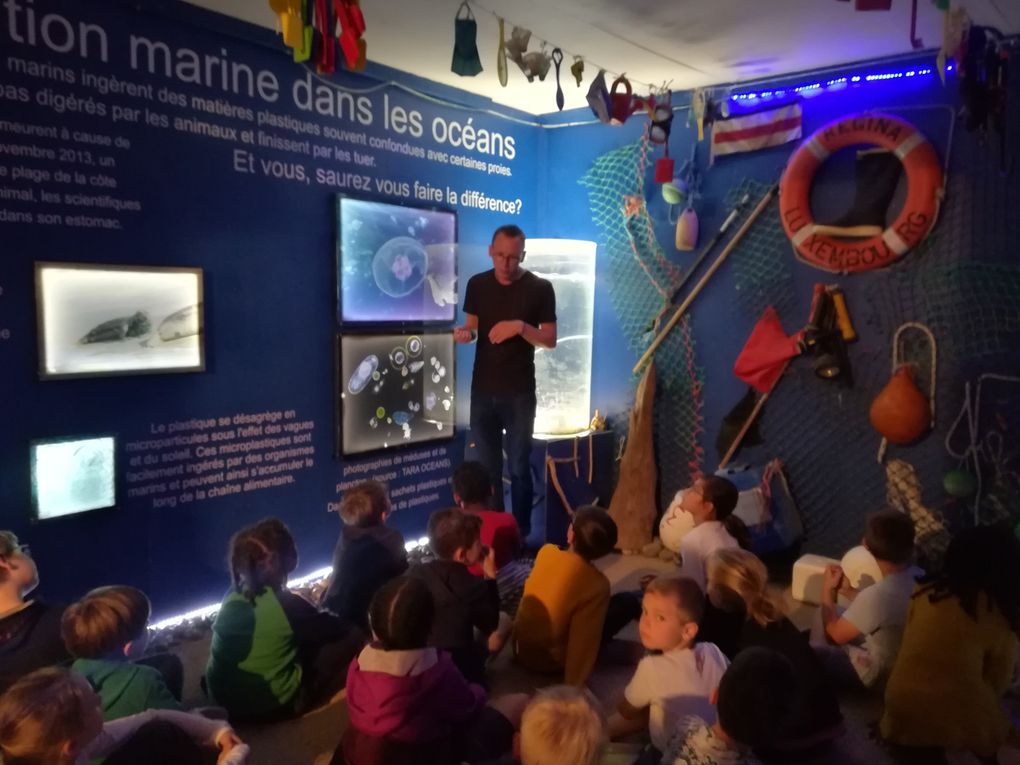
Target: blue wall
[{"x": 267, "y": 248}]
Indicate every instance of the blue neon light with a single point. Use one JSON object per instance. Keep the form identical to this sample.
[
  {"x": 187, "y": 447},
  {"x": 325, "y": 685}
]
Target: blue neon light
[{"x": 837, "y": 83}]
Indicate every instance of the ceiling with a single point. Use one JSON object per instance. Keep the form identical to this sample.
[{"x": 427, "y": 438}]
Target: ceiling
[{"x": 689, "y": 43}]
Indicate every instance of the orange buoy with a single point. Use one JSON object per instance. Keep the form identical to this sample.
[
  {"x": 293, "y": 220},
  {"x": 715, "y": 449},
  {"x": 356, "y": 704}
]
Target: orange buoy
[{"x": 901, "y": 413}]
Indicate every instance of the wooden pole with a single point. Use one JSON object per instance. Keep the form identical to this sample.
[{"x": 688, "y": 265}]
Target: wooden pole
[{"x": 704, "y": 280}]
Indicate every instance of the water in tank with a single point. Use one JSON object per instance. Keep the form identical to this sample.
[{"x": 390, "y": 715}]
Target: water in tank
[{"x": 563, "y": 374}]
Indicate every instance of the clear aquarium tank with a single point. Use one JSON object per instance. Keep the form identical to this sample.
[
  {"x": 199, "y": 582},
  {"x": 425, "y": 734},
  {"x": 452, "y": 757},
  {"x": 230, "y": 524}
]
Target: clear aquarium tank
[{"x": 563, "y": 375}]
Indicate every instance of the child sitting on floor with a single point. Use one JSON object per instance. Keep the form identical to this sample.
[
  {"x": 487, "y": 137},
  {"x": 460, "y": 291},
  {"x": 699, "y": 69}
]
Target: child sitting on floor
[
  {"x": 560, "y": 621},
  {"x": 53, "y": 717},
  {"x": 463, "y": 602},
  {"x": 105, "y": 631},
  {"x": 678, "y": 680},
  {"x": 408, "y": 703},
  {"x": 273, "y": 654},
  {"x": 561, "y": 725},
  {"x": 471, "y": 490},
  {"x": 367, "y": 555},
  {"x": 869, "y": 632},
  {"x": 711, "y": 502},
  {"x": 29, "y": 629},
  {"x": 752, "y": 701},
  {"x": 741, "y": 614}
]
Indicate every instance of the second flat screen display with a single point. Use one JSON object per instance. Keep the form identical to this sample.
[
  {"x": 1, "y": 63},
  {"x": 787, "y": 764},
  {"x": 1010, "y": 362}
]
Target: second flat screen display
[{"x": 395, "y": 389}]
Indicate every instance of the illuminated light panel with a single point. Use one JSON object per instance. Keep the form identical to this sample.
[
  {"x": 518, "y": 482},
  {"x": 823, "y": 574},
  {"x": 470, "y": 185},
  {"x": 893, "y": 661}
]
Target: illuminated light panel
[
  {"x": 838, "y": 83},
  {"x": 313, "y": 577}
]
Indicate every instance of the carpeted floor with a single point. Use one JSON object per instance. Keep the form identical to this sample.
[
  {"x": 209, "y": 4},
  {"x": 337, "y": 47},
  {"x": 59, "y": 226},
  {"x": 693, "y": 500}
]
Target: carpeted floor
[{"x": 311, "y": 739}]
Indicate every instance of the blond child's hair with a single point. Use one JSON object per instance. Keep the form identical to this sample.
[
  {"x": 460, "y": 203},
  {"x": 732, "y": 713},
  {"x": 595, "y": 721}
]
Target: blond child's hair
[
  {"x": 740, "y": 580},
  {"x": 562, "y": 724},
  {"x": 104, "y": 621},
  {"x": 39, "y": 714},
  {"x": 689, "y": 598},
  {"x": 365, "y": 504}
]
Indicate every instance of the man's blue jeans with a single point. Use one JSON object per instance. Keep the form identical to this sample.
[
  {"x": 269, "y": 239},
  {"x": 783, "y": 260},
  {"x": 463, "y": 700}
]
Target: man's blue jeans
[{"x": 490, "y": 416}]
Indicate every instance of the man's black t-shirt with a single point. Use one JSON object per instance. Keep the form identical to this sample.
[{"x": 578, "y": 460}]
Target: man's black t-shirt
[{"x": 509, "y": 367}]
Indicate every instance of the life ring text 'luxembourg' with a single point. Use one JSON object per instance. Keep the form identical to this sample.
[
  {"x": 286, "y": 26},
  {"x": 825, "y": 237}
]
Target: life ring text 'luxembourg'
[{"x": 915, "y": 219}]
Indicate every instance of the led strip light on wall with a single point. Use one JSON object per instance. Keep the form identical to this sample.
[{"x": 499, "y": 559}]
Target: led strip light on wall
[
  {"x": 836, "y": 83},
  {"x": 305, "y": 580}
]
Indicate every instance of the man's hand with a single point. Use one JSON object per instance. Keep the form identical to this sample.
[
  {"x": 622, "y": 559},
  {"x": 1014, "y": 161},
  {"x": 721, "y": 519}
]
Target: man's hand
[
  {"x": 505, "y": 330},
  {"x": 463, "y": 335}
]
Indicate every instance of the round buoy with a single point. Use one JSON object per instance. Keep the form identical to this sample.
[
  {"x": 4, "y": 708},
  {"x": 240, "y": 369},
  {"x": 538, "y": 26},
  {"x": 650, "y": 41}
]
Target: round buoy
[{"x": 959, "y": 483}]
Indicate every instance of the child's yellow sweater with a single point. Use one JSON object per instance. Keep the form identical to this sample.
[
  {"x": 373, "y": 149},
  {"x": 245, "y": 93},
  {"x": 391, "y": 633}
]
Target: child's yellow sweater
[{"x": 559, "y": 622}]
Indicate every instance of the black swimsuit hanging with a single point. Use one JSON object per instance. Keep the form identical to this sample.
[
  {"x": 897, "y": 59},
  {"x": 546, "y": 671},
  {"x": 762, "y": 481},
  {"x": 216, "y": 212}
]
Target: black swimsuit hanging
[{"x": 557, "y": 57}]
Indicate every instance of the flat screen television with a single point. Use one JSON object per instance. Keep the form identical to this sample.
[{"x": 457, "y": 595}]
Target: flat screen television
[
  {"x": 394, "y": 390},
  {"x": 395, "y": 264},
  {"x": 73, "y": 475},
  {"x": 113, "y": 320}
]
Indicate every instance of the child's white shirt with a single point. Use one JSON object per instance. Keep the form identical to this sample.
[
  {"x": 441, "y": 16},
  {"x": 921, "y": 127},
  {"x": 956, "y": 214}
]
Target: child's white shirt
[
  {"x": 880, "y": 613},
  {"x": 201, "y": 730},
  {"x": 674, "y": 685},
  {"x": 699, "y": 543}
]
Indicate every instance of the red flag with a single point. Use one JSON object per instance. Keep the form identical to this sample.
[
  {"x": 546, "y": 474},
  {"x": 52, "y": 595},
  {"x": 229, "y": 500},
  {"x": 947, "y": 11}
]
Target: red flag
[
  {"x": 766, "y": 352},
  {"x": 759, "y": 130}
]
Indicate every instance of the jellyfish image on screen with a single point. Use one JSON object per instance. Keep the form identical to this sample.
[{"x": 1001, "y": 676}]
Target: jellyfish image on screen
[
  {"x": 411, "y": 409},
  {"x": 396, "y": 263},
  {"x": 399, "y": 266},
  {"x": 363, "y": 375}
]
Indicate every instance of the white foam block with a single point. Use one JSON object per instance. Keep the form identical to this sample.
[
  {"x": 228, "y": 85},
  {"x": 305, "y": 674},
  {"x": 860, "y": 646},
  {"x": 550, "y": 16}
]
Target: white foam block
[{"x": 808, "y": 576}]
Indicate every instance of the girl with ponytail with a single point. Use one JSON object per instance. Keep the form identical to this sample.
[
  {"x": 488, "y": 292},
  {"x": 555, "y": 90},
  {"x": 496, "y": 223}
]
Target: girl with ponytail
[
  {"x": 741, "y": 613},
  {"x": 710, "y": 501},
  {"x": 273, "y": 654}
]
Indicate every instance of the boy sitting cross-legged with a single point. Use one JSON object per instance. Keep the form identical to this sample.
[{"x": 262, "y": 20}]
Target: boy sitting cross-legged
[
  {"x": 679, "y": 678},
  {"x": 105, "y": 631}
]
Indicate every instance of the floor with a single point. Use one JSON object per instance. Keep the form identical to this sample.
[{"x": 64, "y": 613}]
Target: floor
[{"x": 311, "y": 739}]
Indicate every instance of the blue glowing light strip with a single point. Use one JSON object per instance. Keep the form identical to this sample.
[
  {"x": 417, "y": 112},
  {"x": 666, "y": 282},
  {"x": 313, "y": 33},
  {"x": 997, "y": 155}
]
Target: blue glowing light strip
[{"x": 836, "y": 83}]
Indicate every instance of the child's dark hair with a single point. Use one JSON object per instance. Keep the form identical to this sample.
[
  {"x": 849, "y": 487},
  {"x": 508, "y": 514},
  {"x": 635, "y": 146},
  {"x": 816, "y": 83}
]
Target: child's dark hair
[
  {"x": 982, "y": 560},
  {"x": 401, "y": 614},
  {"x": 451, "y": 530},
  {"x": 594, "y": 532},
  {"x": 104, "y": 621},
  {"x": 889, "y": 536},
  {"x": 365, "y": 504},
  {"x": 471, "y": 483},
  {"x": 261, "y": 556},
  {"x": 755, "y": 696},
  {"x": 724, "y": 495}
]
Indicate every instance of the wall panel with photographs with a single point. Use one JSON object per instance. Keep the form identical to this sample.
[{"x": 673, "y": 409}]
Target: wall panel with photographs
[
  {"x": 112, "y": 320},
  {"x": 394, "y": 390},
  {"x": 395, "y": 264}
]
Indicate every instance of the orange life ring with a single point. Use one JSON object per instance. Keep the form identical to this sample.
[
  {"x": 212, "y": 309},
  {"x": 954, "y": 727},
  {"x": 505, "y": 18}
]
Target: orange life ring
[{"x": 920, "y": 208}]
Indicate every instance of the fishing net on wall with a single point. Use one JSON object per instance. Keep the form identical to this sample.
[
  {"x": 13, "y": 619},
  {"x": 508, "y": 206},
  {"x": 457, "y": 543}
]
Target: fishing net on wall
[
  {"x": 761, "y": 272},
  {"x": 641, "y": 279},
  {"x": 962, "y": 285}
]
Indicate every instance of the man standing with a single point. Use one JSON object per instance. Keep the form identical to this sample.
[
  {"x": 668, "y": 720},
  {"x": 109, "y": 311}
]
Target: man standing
[{"x": 509, "y": 312}]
